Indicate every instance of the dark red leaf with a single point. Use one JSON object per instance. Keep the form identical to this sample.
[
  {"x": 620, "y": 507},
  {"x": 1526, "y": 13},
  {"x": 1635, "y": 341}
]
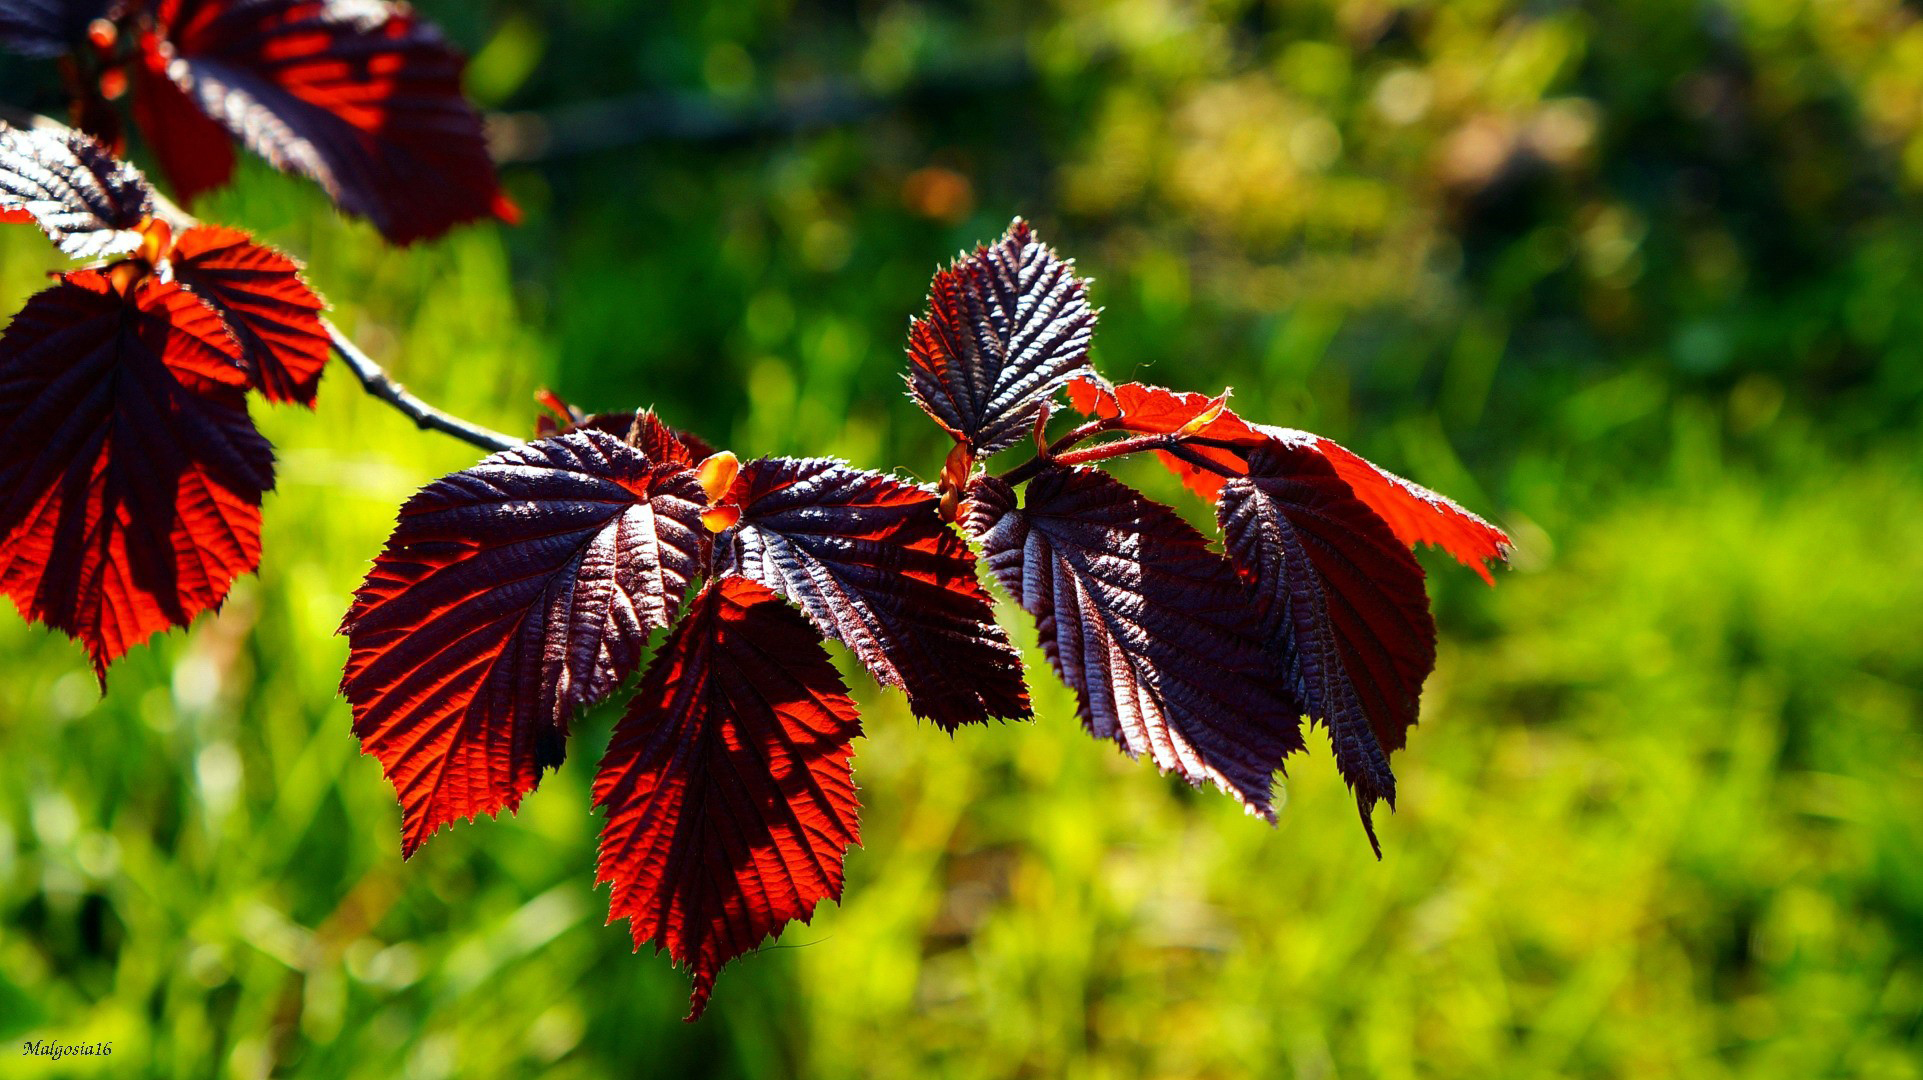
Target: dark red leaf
[
  {"x": 130, "y": 491},
  {"x": 1005, "y": 328},
  {"x": 1416, "y": 514},
  {"x": 196, "y": 155},
  {"x": 47, "y": 27},
  {"x": 273, "y": 314},
  {"x": 729, "y": 794},
  {"x": 870, "y": 560},
  {"x": 81, "y": 197},
  {"x": 510, "y": 595},
  {"x": 1152, "y": 630},
  {"x": 1342, "y": 603},
  {"x": 362, "y": 97}
]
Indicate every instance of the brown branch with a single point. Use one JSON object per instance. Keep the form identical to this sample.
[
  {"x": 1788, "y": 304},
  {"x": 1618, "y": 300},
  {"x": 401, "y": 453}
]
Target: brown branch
[{"x": 378, "y": 383}]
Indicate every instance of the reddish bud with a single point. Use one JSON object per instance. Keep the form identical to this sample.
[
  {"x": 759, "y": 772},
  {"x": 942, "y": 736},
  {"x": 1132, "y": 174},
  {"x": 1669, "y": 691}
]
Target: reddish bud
[
  {"x": 126, "y": 274},
  {"x": 717, "y": 475},
  {"x": 156, "y": 240}
]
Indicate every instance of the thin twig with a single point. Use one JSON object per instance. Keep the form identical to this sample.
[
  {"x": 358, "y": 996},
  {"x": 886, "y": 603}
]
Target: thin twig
[
  {"x": 1172, "y": 442},
  {"x": 1050, "y": 454},
  {"x": 1087, "y": 455},
  {"x": 378, "y": 383}
]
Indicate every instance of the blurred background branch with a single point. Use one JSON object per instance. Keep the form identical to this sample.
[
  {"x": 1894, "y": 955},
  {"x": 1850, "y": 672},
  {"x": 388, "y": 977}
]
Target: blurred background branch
[{"x": 629, "y": 120}]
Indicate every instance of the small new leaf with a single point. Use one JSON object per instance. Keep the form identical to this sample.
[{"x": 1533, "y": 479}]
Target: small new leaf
[
  {"x": 1153, "y": 631},
  {"x": 1342, "y": 605},
  {"x": 730, "y": 798},
  {"x": 84, "y": 199},
  {"x": 641, "y": 429},
  {"x": 130, "y": 493},
  {"x": 510, "y": 595},
  {"x": 869, "y": 559},
  {"x": 1006, "y": 327}
]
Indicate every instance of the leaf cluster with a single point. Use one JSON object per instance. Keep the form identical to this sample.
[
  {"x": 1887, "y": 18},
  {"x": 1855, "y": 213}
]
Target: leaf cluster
[{"x": 514, "y": 593}]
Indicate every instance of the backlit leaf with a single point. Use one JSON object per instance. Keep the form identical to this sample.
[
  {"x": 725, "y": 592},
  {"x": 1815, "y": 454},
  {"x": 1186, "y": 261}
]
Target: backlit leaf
[
  {"x": 1154, "y": 632},
  {"x": 1006, "y": 327},
  {"x": 727, "y": 784},
  {"x": 362, "y": 97},
  {"x": 1342, "y": 604},
  {"x": 130, "y": 491},
  {"x": 870, "y": 560},
  {"x": 87, "y": 202},
  {"x": 1155, "y": 410},
  {"x": 1416, "y": 514},
  {"x": 273, "y": 314},
  {"x": 511, "y": 594}
]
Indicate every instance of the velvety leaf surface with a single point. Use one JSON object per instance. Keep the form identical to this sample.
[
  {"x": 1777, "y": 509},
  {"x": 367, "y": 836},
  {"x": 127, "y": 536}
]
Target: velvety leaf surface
[
  {"x": 1342, "y": 604},
  {"x": 87, "y": 202},
  {"x": 362, "y": 96},
  {"x": 1153, "y": 631},
  {"x": 47, "y": 27},
  {"x": 1416, "y": 514},
  {"x": 274, "y": 316},
  {"x": 509, "y": 595},
  {"x": 870, "y": 560},
  {"x": 130, "y": 490},
  {"x": 1006, "y": 327},
  {"x": 728, "y": 789}
]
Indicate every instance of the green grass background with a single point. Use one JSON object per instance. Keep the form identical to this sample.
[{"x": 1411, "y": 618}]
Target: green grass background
[{"x": 1640, "y": 280}]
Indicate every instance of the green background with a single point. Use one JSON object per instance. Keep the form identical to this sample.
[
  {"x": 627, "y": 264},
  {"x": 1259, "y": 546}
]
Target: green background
[{"x": 1642, "y": 281}]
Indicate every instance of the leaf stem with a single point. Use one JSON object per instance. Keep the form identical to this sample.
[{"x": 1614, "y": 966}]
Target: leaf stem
[{"x": 1052, "y": 453}]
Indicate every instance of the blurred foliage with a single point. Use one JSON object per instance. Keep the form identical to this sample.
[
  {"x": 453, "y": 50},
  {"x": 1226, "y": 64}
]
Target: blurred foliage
[{"x": 1639, "y": 278}]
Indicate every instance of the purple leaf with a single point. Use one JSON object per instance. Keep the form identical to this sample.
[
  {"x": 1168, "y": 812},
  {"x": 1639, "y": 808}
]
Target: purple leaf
[
  {"x": 1006, "y": 327},
  {"x": 1152, "y": 630},
  {"x": 872, "y": 563},
  {"x": 1342, "y": 604}
]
